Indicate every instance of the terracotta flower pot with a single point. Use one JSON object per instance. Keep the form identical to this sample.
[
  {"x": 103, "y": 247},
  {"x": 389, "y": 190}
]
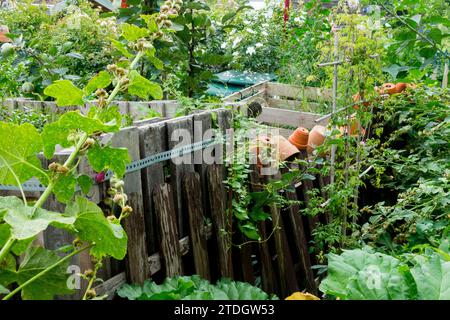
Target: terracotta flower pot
[
  {"x": 389, "y": 88},
  {"x": 299, "y": 138},
  {"x": 316, "y": 138},
  {"x": 354, "y": 125},
  {"x": 284, "y": 148},
  {"x": 400, "y": 87}
]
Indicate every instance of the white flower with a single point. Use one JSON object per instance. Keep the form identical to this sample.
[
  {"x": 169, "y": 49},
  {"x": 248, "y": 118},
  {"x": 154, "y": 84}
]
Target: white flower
[
  {"x": 236, "y": 54},
  {"x": 251, "y": 51},
  {"x": 353, "y": 4},
  {"x": 250, "y": 30},
  {"x": 264, "y": 33},
  {"x": 258, "y": 45},
  {"x": 236, "y": 41},
  {"x": 223, "y": 45}
]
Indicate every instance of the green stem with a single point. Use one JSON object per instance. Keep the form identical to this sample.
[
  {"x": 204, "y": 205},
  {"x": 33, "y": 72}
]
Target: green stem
[
  {"x": 43, "y": 272},
  {"x": 6, "y": 248}
]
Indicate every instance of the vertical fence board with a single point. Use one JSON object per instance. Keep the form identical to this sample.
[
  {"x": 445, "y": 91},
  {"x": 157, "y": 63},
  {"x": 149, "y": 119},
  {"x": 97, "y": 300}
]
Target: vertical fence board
[
  {"x": 179, "y": 134},
  {"x": 193, "y": 195},
  {"x": 165, "y": 213},
  {"x": 137, "y": 265},
  {"x": 153, "y": 140},
  {"x": 221, "y": 225}
]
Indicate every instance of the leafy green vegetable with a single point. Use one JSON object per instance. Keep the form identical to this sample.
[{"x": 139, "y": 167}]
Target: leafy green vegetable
[
  {"x": 364, "y": 274},
  {"x": 192, "y": 288}
]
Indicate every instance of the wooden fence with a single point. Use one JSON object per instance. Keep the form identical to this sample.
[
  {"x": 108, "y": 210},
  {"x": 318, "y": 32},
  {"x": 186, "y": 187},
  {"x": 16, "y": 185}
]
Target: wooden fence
[{"x": 180, "y": 224}]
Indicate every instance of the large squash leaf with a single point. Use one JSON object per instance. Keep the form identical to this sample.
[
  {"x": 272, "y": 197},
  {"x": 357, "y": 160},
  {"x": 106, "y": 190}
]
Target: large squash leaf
[
  {"x": 19, "y": 147},
  {"x": 364, "y": 275},
  {"x": 432, "y": 276}
]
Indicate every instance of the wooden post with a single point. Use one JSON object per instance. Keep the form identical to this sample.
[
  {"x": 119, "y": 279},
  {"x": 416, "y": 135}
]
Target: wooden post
[
  {"x": 219, "y": 217},
  {"x": 153, "y": 140},
  {"x": 137, "y": 265},
  {"x": 193, "y": 195},
  {"x": 165, "y": 214}
]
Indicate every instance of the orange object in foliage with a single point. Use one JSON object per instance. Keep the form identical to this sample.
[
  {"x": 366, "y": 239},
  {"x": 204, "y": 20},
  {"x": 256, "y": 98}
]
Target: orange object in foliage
[
  {"x": 316, "y": 138},
  {"x": 389, "y": 88},
  {"x": 299, "y": 138},
  {"x": 124, "y": 4}
]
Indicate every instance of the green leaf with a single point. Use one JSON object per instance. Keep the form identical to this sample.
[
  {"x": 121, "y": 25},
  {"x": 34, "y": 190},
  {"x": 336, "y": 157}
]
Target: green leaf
[
  {"x": 27, "y": 222},
  {"x": 65, "y": 187},
  {"x": 54, "y": 282},
  {"x": 360, "y": 274},
  {"x": 19, "y": 246},
  {"x": 151, "y": 23},
  {"x": 108, "y": 158},
  {"x": 57, "y": 132},
  {"x": 19, "y": 152},
  {"x": 100, "y": 81},
  {"x": 227, "y": 289},
  {"x": 121, "y": 48},
  {"x": 85, "y": 182},
  {"x": 432, "y": 277},
  {"x": 110, "y": 239},
  {"x": 156, "y": 62},
  {"x": 3, "y": 290},
  {"x": 132, "y": 33},
  {"x": 65, "y": 93},
  {"x": 143, "y": 88}
]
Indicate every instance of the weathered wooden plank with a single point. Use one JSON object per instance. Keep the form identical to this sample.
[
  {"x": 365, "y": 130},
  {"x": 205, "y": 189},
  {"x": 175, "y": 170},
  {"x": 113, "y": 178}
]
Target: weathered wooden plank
[
  {"x": 290, "y": 118},
  {"x": 152, "y": 140},
  {"x": 170, "y": 108},
  {"x": 179, "y": 134},
  {"x": 301, "y": 243},
  {"x": 137, "y": 267},
  {"x": 219, "y": 217},
  {"x": 193, "y": 197},
  {"x": 267, "y": 275},
  {"x": 298, "y": 93},
  {"x": 155, "y": 259},
  {"x": 110, "y": 286},
  {"x": 157, "y": 106},
  {"x": 202, "y": 158},
  {"x": 165, "y": 214},
  {"x": 245, "y": 93}
]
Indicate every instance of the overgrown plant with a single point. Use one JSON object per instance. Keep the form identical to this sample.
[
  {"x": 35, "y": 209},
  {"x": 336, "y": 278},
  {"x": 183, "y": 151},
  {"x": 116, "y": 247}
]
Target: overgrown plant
[{"x": 22, "y": 221}]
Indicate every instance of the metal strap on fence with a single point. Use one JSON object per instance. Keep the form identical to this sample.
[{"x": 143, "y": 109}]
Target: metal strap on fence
[{"x": 33, "y": 185}]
